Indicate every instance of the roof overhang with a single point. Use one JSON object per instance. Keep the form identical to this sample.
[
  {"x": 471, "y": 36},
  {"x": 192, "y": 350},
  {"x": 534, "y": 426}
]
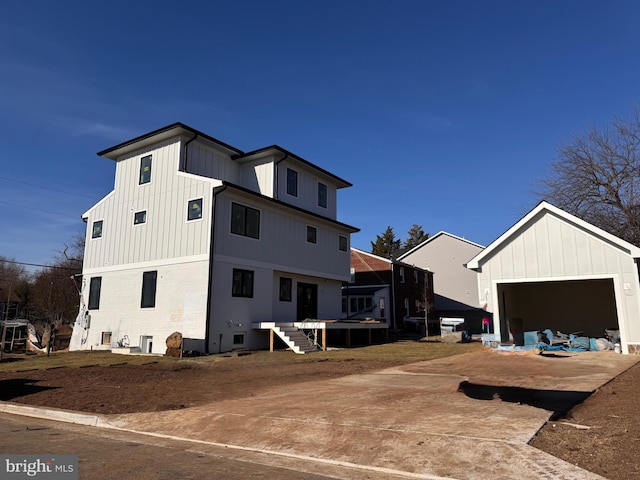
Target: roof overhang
[
  {"x": 632, "y": 250},
  {"x": 277, "y": 150},
  {"x": 245, "y": 191},
  {"x": 160, "y": 135}
]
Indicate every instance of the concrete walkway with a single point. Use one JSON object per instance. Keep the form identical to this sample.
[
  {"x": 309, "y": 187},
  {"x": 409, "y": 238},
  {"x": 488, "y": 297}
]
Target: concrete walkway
[{"x": 411, "y": 421}]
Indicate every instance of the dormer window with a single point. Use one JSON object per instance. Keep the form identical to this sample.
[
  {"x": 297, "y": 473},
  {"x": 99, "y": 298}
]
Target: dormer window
[
  {"x": 292, "y": 182},
  {"x": 145, "y": 170}
]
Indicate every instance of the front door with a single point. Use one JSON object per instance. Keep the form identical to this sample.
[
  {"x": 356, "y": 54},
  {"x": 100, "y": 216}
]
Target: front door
[{"x": 307, "y": 301}]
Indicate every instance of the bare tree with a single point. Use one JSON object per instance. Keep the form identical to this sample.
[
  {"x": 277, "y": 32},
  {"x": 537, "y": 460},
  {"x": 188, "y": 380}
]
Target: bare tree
[
  {"x": 55, "y": 288},
  {"x": 13, "y": 283},
  {"x": 596, "y": 176}
]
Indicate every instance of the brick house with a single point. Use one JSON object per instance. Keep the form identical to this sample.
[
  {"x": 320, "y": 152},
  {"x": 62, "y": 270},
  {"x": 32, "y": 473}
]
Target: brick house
[{"x": 388, "y": 289}]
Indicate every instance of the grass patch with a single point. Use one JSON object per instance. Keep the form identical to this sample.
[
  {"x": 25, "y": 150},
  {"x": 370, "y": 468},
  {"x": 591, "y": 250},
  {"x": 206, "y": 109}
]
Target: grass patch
[
  {"x": 23, "y": 363},
  {"x": 392, "y": 353}
]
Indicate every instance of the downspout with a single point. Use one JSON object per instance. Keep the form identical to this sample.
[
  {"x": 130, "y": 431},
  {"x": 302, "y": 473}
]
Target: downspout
[
  {"x": 207, "y": 331},
  {"x": 393, "y": 299},
  {"x": 186, "y": 149},
  {"x": 276, "y": 185}
]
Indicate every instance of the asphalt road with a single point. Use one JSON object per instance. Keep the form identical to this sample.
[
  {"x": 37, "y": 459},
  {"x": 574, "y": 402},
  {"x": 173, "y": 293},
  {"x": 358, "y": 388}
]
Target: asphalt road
[{"x": 111, "y": 454}]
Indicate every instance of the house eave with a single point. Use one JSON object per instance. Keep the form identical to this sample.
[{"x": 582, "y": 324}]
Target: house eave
[{"x": 159, "y": 135}]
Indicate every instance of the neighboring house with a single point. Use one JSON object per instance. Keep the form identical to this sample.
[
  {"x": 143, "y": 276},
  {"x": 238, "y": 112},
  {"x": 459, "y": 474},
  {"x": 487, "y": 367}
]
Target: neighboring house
[
  {"x": 553, "y": 270},
  {"x": 387, "y": 289},
  {"x": 455, "y": 287},
  {"x": 200, "y": 238}
]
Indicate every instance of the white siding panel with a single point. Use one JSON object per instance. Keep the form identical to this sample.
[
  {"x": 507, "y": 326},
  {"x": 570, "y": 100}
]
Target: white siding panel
[
  {"x": 209, "y": 162},
  {"x": 166, "y": 234},
  {"x": 282, "y": 240},
  {"x": 569, "y": 251},
  {"x": 307, "y": 190},
  {"x": 179, "y": 306},
  {"x": 555, "y": 244},
  {"x": 531, "y": 253},
  {"x": 519, "y": 258}
]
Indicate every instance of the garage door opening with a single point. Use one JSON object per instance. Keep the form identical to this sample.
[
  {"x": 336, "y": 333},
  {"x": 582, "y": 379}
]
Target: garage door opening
[{"x": 587, "y": 307}]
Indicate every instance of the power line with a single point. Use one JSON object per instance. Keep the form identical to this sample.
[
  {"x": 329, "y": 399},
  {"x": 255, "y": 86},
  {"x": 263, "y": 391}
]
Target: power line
[
  {"x": 37, "y": 265},
  {"x": 47, "y": 188},
  {"x": 40, "y": 210}
]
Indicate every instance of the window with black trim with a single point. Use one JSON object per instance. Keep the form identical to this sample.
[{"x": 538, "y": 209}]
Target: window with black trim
[
  {"x": 286, "y": 285},
  {"x": 194, "y": 210},
  {"x": 149, "y": 281},
  {"x": 140, "y": 217},
  {"x": 242, "y": 283},
  {"x": 312, "y": 234},
  {"x": 94, "y": 293},
  {"x": 245, "y": 221},
  {"x": 145, "y": 170},
  {"x": 292, "y": 182},
  {"x": 415, "y": 276},
  {"x": 238, "y": 339},
  {"x": 343, "y": 243},
  {"x": 322, "y": 195},
  {"x": 96, "y": 229}
]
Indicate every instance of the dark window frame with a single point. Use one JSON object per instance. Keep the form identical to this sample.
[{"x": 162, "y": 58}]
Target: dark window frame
[
  {"x": 149, "y": 289},
  {"x": 292, "y": 182},
  {"x": 343, "y": 243},
  {"x": 190, "y": 209},
  {"x": 312, "y": 234},
  {"x": 95, "y": 287},
  {"x": 144, "y": 218},
  {"x": 286, "y": 289},
  {"x": 322, "y": 195},
  {"x": 242, "y": 220},
  {"x": 242, "y": 283},
  {"x": 97, "y": 233},
  {"x": 145, "y": 170}
]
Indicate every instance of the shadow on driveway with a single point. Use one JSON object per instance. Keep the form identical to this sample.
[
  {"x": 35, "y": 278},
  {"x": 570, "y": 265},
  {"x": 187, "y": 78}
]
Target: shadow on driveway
[{"x": 558, "y": 401}]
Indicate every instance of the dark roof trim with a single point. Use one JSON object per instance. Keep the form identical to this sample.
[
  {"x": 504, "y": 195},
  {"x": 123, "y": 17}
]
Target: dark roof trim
[
  {"x": 160, "y": 131},
  {"x": 296, "y": 157},
  {"x": 233, "y": 186}
]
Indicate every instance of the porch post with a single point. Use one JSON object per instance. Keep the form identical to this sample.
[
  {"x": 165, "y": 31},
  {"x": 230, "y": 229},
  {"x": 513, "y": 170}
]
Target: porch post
[
  {"x": 271, "y": 339},
  {"x": 324, "y": 339}
]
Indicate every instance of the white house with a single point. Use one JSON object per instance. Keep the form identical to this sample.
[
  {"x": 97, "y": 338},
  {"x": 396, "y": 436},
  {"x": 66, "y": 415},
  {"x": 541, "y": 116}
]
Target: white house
[
  {"x": 201, "y": 238},
  {"x": 554, "y": 270},
  {"x": 455, "y": 287}
]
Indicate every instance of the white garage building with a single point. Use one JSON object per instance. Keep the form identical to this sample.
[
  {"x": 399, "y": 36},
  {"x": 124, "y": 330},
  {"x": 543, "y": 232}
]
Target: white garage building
[{"x": 553, "y": 270}]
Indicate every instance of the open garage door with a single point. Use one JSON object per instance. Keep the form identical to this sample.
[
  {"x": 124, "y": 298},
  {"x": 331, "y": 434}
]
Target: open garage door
[{"x": 568, "y": 306}]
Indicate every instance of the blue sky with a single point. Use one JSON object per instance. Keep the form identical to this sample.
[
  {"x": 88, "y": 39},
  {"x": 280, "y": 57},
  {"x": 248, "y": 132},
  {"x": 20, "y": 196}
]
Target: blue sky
[{"x": 441, "y": 113}]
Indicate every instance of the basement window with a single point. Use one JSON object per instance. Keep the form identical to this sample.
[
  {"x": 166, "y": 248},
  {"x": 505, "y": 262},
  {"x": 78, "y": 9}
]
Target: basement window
[
  {"x": 238, "y": 339},
  {"x": 106, "y": 338}
]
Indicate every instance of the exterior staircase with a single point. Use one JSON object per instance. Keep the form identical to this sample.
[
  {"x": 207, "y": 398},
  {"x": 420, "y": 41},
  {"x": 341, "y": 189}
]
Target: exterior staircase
[{"x": 294, "y": 338}]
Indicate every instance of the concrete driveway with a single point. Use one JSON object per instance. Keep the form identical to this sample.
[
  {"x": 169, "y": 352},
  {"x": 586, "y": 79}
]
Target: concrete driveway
[{"x": 466, "y": 417}]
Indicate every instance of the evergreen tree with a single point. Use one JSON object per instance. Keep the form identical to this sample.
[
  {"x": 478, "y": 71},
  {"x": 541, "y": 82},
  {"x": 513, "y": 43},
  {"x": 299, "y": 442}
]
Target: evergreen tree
[
  {"x": 415, "y": 237},
  {"x": 386, "y": 245}
]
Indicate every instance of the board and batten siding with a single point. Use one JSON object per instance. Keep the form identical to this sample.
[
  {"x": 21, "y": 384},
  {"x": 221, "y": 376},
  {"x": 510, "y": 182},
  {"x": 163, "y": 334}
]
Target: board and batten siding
[
  {"x": 258, "y": 176},
  {"x": 282, "y": 241},
  {"x": 209, "y": 162},
  {"x": 549, "y": 248},
  {"x": 307, "y": 190},
  {"x": 166, "y": 234}
]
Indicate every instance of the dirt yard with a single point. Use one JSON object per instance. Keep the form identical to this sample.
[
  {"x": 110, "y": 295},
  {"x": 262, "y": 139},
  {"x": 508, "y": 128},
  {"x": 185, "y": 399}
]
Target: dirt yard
[{"x": 601, "y": 435}]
